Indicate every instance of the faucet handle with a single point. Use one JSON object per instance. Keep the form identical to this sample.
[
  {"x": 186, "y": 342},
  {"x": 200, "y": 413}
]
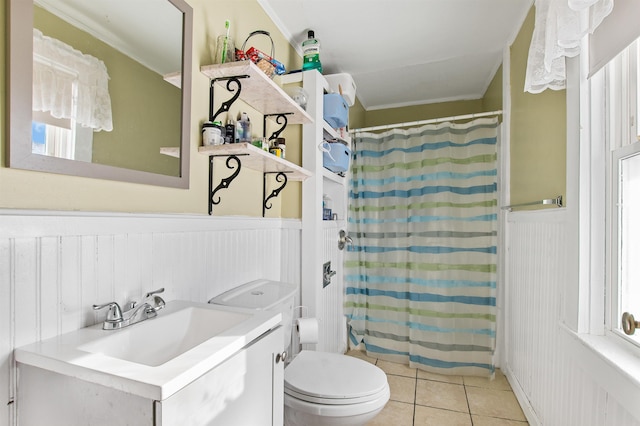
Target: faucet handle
[
  {"x": 151, "y": 293},
  {"x": 158, "y": 302},
  {"x": 114, "y": 314}
]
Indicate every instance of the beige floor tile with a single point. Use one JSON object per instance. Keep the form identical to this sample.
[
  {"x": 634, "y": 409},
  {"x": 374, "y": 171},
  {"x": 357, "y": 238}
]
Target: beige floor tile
[
  {"x": 396, "y": 369},
  {"x": 494, "y": 403},
  {"x": 428, "y": 416},
  {"x": 448, "y": 396},
  {"x": 493, "y": 421},
  {"x": 403, "y": 389},
  {"x": 394, "y": 413},
  {"x": 361, "y": 355},
  {"x": 499, "y": 382},
  {"x": 439, "y": 377}
]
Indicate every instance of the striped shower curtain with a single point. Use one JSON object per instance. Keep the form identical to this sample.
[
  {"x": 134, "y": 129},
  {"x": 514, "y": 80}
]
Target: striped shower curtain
[{"x": 420, "y": 276}]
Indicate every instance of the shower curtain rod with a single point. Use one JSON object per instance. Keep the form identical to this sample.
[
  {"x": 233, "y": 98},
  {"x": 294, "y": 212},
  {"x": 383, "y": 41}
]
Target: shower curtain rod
[{"x": 430, "y": 121}]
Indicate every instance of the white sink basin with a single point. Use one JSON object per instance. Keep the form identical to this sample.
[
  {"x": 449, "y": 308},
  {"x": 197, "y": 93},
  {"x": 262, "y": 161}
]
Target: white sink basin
[
  {"x": 157, "y": 340},
  {"x": 154, "y": 358}
]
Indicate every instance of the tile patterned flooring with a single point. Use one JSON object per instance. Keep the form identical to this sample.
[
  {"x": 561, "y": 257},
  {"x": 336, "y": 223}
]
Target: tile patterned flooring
[{"x": 419, "y": 398}]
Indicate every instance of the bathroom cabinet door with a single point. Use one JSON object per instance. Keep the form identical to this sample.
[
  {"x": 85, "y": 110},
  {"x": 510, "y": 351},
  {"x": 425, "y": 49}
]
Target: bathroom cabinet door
[
  {"x": 52, "y": 399},
  {"x": 246, "y": 389}
]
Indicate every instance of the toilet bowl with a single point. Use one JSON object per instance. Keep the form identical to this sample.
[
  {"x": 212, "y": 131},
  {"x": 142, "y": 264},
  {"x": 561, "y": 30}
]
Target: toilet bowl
[
  {"x": 320, "y": 388},
  {"x": 323, "y": 388}
]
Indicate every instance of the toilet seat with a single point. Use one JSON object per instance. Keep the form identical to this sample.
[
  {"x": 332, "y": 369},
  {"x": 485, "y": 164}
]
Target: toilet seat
[
  {"x": 368, "y": 408},
  {"x": 336, "y": 401},
  {"x": 334, "y": 379}
]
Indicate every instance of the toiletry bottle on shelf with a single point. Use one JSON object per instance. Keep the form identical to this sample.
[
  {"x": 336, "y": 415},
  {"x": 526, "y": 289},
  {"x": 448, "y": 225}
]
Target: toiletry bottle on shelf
[
  {"x": 238, "y": 127},
  {"x": 280, "y": 143},
  {"x": 230, "y": 131},
  {"x": 326, "y": 207},
  {"x": 243, "y": 128},
  {"x": 311, "y": 53}
]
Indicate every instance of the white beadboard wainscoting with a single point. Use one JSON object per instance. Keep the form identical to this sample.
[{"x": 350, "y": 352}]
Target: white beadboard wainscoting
[
  {"x": 55, "y": 266},
  {"x": 558, "y": 379},
  {"x": 329, "y": 304},
  {"x": 334, "y": 329}
]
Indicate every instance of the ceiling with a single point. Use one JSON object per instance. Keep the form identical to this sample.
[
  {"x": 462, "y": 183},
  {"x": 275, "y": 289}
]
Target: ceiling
[
  {"x": 399, "y": 52},
  {"x": 406, "y": 52},
  {"x": 133, "y": 28}
]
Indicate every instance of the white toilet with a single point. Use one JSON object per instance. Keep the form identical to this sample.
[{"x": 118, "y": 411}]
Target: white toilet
[{"x": 320, "y": 388}]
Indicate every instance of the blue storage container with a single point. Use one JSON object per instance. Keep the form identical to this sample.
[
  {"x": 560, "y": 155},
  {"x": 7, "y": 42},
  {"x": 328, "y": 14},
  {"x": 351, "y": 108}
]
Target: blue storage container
[
  {"x": 335, "y": 110},
  {"x": 337, "y": 157}
]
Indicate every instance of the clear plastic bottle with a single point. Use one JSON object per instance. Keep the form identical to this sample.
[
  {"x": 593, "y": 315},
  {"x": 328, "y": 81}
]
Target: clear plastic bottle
[
  {"x": 327, "y": 204},
  {"x": 243, "y": 128},
  {"x": 311, "y": 53}
]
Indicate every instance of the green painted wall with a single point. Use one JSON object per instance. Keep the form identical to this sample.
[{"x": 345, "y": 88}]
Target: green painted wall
[
  {"x": 538, "y": 131},
  {"x": 357, "y": 115},
  {"x": 492, "y": 99},
  {"x": 421, "y": 112}
]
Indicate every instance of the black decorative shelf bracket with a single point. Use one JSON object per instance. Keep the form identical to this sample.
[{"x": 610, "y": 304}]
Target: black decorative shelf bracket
[
  {"x": 280, "y": 177},
  {"x": 278, "y": 116},
  {"x": 225, "y": 182},
  {"x": 227, "y": 104}
]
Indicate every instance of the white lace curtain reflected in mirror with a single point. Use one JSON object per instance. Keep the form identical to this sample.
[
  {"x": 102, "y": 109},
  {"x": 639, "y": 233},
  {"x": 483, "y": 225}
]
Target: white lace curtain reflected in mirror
[{"x": 70, "y": 99}]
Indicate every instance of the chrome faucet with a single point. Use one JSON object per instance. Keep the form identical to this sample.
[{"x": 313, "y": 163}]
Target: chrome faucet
[{"x": 134, "y": 313}]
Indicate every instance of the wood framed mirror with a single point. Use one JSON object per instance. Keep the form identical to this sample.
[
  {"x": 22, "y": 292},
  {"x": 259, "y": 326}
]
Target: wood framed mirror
[{"x": 150, "y": 98}]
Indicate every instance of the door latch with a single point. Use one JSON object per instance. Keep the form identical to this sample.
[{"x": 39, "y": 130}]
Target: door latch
[{"x": 343, "y": 239}]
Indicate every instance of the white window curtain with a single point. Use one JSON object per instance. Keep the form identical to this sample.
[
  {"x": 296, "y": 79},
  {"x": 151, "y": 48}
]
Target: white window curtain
[
  {"x": 559, "y": 28},
  {"x": 617, "y": 32},
  {"x": 70, "y": 84}
]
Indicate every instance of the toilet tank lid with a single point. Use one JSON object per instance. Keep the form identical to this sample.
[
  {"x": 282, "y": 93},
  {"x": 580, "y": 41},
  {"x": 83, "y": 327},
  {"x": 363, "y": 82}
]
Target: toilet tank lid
[{"x": 258, "y": 294}]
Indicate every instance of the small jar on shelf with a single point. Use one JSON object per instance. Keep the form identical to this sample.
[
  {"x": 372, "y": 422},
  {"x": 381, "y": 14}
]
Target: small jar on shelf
[
  {"x": 211, "y": 133},
  {"x": 280, "y": 144}
]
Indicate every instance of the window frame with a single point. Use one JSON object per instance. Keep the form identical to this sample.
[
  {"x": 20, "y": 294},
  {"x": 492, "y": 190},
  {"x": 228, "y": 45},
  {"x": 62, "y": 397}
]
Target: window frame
[
  {"x": 616, "y": 310},
  {"x": 610, "y": 359},
  {"x": 612, "y": 118}
]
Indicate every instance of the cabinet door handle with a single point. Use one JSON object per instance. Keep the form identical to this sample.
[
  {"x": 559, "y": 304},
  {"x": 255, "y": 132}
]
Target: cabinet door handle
[{"x": 281, "y": 357}]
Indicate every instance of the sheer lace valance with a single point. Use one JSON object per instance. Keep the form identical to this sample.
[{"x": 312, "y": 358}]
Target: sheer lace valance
[
  {"x": 559, "y": 28},
  {"x": 70, "y": 84}
]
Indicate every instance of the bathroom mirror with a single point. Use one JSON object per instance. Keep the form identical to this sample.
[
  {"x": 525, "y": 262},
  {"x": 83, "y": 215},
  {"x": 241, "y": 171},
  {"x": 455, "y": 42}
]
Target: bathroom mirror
[{"x": 149, "y": 85}]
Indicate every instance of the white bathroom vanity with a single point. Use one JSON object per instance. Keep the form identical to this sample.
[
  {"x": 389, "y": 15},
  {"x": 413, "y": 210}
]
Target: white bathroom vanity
[{"x": 194, "y": 364}]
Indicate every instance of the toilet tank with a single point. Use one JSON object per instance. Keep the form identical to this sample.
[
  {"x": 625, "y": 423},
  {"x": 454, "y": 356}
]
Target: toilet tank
[{"x": 263, "y": 295}]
